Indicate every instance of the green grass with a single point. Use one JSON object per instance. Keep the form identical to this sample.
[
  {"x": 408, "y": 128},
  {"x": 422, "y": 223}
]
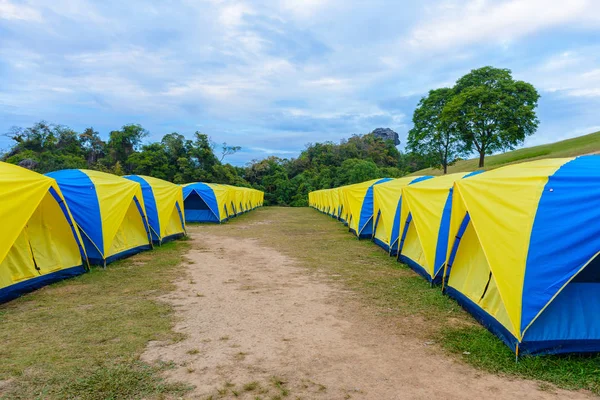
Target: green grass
[
  {"x": 406, "y": 300},
  {"x": 82, "y": 338},
  {"x": 567, "y": 148}
]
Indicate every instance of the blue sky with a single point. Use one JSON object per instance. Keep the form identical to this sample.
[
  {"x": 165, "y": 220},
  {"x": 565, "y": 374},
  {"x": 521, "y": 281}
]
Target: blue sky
[{"x": 271, "y": 76}]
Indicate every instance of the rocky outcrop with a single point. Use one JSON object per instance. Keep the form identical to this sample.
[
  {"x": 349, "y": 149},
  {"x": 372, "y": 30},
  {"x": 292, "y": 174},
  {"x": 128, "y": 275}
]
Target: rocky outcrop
[{"x": 387, "y": 134}]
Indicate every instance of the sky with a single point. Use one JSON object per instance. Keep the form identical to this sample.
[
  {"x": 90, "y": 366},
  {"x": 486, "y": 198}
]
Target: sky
[{"x": 272, "y": 76}]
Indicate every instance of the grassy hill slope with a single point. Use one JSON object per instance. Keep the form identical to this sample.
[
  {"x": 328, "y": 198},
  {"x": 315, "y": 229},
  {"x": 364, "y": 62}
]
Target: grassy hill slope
[{"x": 567, "y": 148}]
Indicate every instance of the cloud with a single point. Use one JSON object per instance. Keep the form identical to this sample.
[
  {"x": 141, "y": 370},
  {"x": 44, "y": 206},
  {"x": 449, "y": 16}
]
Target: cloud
[
  {"x": 23, "y": 12},
  {"x": 456, "y": 24},
  {"x": 274, "y": 75}
]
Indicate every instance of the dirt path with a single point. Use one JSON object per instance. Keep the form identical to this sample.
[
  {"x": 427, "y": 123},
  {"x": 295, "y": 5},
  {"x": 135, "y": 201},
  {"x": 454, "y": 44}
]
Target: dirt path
[{"x": 259, "y": 326}]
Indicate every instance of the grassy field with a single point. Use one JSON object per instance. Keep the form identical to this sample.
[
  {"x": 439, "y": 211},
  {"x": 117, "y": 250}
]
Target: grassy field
[
  {"x": 82, "y": 338},
  {"x": 567, "y": 148},
  {"x": 405, "y": 299}
]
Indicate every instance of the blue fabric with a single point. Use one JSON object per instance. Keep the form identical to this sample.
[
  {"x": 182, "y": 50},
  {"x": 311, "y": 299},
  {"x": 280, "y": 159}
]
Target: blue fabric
[
  {"x": 461, "y": 231},
  {"x": 80, "y": 194},
  {"x": 18, "y": 289},
  {"x": 128, "y": 253},
  {"x": 573, "y": 315},
  {"x": 565, "y": 233},
  {"x": 395, "y": 236},
  {"x": 150, "y": 205},
  {"x": 419, "y": 269},
  {"x": 441, "y": 247},
  {"x": 442, "y": 243},
  {"x": 420, "y": 179},
  {"x": 200, "y": 203},
  {"x": 483, "y": 317},
  {"x": 381, "y": 244},
  {"x": 405, "y": 232},
  {"x": 365, "y": 222},
  {"x": 200, "y": 216}
]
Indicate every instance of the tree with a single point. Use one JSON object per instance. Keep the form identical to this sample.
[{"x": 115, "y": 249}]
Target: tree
[
  {"x": 122, "y": 144},
  {"x": 431, "y": 137},
  {"x": 228, "y": 150},
  {"x": 492, "y": 111},
  {"x": 93, "y": 146}
]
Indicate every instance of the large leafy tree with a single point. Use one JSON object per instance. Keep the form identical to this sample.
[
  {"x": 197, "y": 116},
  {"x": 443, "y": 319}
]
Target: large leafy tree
[
  {"x": 492, "y": 111},
  {"x": 432, "y": 137},
  {"x": 123, "y": 143}
]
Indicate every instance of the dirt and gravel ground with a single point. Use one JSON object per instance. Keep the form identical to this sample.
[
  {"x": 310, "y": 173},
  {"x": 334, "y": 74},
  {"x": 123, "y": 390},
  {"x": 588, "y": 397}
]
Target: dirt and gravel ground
[{"x": 259, "y": 325}]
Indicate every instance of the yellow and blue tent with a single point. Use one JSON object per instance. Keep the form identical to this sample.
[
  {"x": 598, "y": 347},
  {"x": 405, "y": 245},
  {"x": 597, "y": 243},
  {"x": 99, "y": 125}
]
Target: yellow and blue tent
[
  {"x": 38, "y": 240},
  {"x": 386, "y": 211},
  {"x": 424, "y": 223},
  {"x": 109, "y": 212},
  {"x": 164, "y": 207},
  {"x": 523, "y": 255},
  {"x": 335, "y": 204},
  {"x": 358, "y": 205},
  {"x": 207, "y": 202}
]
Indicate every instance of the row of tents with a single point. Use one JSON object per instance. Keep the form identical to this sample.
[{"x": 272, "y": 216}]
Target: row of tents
[
  {"x": 517, "y": 246},
  {"x": 55, "y": 225}
]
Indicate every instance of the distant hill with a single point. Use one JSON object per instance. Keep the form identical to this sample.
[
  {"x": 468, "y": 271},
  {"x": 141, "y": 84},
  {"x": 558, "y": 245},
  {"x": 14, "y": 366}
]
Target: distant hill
[{"x": 587, "y": 144}]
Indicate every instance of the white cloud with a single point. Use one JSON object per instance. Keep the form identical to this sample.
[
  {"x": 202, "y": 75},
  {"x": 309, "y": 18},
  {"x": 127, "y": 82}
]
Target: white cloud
[
  {"x": 574, "y": 73},
  {"x": 494, "y": 21},
  {"x": 9, "y": 10}
]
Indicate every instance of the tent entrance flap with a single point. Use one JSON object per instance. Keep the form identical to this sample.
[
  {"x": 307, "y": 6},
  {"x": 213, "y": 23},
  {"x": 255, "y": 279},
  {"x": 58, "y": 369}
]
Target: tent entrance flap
[
  {"x": 471, "y": 276},
  {"x": 131, "y": 234},
  {"x": 197, "y": 210},
  {"x": 569, "y": 322},
  {"x": 45, "y": 251},
  {"x": 174, "y": 225}
]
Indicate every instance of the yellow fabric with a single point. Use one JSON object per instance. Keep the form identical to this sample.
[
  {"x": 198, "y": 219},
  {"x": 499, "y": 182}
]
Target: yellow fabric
[
  {"x": 172, "y": 226},
  {"x": 223, "y": 195},
  {"x": 470, "y": 275},
  {"x": 386, "y": 197},
  {"x": 21, "y": 192},
  {"x": 51, "y": 238},
  {"x": 502, "y": 204},
  {"x": 167, "y": 196},
  {"x": 355, "y": 195},
  {"x": 425, "y": 201},
  {"x": 34, "y": 227},
  {"x": 413, "y": 249},
  {"x": 115, "y": 197},
  {"x": 131, "y": 233}
]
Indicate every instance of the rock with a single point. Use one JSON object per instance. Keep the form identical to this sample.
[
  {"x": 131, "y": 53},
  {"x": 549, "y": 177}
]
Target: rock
[
  {"x": 28, "y": 163},
  {"x": 387, "y": 134}
]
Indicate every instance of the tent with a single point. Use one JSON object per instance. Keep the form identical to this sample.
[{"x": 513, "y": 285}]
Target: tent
[
  {"x": 358, "y": 205},
  {"x": 38, "y": 242},
  {"x": 424, "y": 223},
  {"x": 523, "y": 258},
  {"x": 386, "y": 211},
  {"x": 164, "y": 207},
  {"x": 109, "y": 211},
  {"x": 208, "y": 202}
]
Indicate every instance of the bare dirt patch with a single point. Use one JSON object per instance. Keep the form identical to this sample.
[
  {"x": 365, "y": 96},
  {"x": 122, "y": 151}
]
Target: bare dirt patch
[{"x": 258, "y": 325}]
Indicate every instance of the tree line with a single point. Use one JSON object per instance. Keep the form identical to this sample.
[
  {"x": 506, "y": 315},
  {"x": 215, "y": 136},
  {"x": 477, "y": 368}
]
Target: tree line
[{"x": 46, "y": 147}]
